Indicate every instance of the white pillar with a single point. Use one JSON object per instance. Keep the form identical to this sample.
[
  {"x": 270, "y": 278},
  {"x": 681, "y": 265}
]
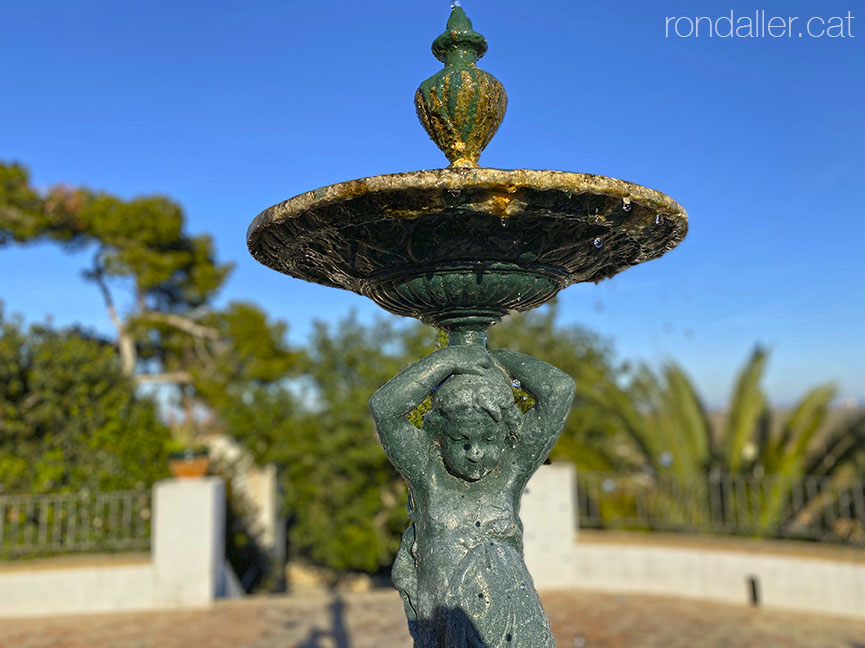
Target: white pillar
[
  {"x": 264, "y": 491},
  {"x": 549, "y": 515},
  {"x": 188, "y": 541},
  {"x": 262, "y": 488}
]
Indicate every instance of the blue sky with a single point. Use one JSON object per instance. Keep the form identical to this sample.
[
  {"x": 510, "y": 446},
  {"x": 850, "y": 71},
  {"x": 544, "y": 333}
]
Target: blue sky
[{"x": 230, "y": 107}]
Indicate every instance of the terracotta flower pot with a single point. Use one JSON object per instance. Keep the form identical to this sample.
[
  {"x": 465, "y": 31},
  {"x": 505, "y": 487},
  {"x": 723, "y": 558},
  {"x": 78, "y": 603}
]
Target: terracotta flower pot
[{"x": 188, "y": 464}]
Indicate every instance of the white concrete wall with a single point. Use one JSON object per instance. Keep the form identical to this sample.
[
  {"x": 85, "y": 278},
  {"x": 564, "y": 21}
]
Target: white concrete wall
[
  {"x": 558, "y": 559},
  {"x": 186, "y": 569},
  {"x": 68, "y": 591},
  {"x": 788, "y": 582},
  {"x": 549, "y": 515},
  {"x": 257, "y": 489},
  {"x": 263, "y": 489}
]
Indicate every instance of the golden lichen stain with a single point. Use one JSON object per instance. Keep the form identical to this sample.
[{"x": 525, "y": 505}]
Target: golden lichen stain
[
  {"x": 499, "y": 204},
  {"x": 462, "y": 129},
  {"x": 504, "y": 205}
]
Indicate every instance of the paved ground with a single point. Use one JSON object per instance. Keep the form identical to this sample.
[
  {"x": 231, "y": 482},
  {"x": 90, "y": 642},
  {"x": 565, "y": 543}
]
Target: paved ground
[{"x": 374, "y": 620}]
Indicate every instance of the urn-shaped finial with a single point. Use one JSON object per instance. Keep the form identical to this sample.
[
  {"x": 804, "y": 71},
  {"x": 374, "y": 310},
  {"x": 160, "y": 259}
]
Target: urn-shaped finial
[{"x": 461, "y": 106}]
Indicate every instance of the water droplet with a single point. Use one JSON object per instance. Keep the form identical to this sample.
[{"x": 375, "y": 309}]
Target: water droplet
[
  {"x": 522, "y": 586},
  {"x": 599, "y": 242},
  {"x": 666, "y": 458},
  {"x": 626, "y": 204},
  {"x": 658, "y": 219},
  {"x": 516, "y": 383},
  {"x": 503, "y": 222},
  {"x": 596, "y": 210}
]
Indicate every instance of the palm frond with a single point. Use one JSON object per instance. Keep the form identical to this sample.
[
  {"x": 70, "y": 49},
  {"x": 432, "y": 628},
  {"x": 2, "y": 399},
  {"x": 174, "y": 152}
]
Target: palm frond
[
  {"x": 747, "y": 406},
  {"x": 844, "y": 443},
  {"x": 688, "y": 414}
]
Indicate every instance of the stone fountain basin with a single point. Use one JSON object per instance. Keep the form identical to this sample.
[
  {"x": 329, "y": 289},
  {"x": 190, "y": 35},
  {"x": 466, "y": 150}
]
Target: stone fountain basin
[{"x": 458, "y": 248}]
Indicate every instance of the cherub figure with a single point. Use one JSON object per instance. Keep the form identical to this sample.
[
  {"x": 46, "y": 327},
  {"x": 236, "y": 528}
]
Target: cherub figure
[{"x": 460, "y": 567}]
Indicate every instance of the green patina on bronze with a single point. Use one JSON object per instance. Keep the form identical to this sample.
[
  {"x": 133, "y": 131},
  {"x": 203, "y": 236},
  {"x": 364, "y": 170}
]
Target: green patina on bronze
[
  {"x": 461, "y": 106},
  {"x": 459, "y": 248},
  {"x": 460, "y": 567}
]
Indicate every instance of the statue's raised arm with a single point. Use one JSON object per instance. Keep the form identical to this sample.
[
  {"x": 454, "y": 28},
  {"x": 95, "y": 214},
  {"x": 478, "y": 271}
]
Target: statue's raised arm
[
  {"x": 406, "y": 446},
  {"x": 553, "y": 391}
]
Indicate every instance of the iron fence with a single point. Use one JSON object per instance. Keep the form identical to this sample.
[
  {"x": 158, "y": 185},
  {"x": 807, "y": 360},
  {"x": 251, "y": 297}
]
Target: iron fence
[
  {"x": 54, "y": 523},
  {"x": 808, "y": 508}
]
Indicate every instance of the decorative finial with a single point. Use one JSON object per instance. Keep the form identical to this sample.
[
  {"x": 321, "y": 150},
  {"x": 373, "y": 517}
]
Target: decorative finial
[{"x": 461, "y": 106}]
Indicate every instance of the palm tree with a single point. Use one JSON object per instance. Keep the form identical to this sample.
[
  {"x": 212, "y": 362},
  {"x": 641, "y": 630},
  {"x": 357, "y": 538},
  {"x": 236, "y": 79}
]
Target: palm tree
[{"x": 747, "y": 473}]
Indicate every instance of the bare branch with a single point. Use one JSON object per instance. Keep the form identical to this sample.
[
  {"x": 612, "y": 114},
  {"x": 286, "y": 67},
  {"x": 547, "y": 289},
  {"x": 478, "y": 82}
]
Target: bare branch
[
  {"x": 125, "y": 342},
  {"x": 181, "y": 377},
  {"x": 202, "y": 352},
  {"x": 183, "y": 324}
]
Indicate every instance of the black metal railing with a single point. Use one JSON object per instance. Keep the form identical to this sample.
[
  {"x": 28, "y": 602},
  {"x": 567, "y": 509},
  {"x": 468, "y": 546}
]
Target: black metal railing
[
  {"x": 55, "y": 523},
  {"x": 805, "y": 508}
]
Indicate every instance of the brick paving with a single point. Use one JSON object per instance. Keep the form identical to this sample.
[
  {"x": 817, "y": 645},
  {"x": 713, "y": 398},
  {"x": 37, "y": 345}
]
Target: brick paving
[{"x": 320, "y": 620}]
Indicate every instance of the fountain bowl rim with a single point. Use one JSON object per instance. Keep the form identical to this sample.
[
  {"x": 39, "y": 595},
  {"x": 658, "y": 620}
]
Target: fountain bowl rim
[{"x": 458, "y": 179}]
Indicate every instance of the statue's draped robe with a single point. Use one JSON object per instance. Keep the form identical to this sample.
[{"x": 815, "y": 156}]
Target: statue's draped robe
[{"x": 469, "y": 587}]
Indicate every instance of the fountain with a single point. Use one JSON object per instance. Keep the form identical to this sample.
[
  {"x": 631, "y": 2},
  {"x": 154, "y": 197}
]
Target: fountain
[{"x": 459, "y": 248}]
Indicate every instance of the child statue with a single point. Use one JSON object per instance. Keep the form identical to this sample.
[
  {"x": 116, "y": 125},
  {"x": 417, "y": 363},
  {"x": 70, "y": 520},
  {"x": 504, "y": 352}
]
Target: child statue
[{"x": 460, "y": 567}]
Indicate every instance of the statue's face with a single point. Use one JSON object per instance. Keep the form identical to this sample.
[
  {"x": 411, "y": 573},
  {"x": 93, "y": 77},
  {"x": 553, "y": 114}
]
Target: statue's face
[{"x": 472, "y": 442}]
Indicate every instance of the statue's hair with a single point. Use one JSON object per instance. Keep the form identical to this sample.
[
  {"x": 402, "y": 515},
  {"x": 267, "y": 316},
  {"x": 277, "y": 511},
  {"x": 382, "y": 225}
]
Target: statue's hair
[{"x": 491, "y": 393}]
